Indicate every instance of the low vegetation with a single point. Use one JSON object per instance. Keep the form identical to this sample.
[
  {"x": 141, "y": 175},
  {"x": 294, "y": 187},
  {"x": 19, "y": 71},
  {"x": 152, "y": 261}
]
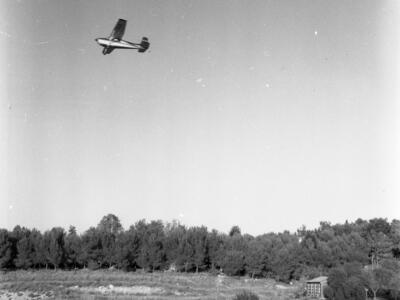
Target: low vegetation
[
  {"x": 246, "y": 295},
  {"x": 107, "y": 284}
]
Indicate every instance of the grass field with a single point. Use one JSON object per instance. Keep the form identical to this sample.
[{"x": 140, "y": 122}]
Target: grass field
[{"x": 104, "y": 284}]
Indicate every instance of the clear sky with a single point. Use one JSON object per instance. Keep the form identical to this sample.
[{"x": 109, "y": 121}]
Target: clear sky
[{"x": 264, "y": 114}]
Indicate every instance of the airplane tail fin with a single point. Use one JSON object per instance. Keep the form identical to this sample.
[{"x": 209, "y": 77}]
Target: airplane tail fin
[{"x": 144, "y": 45}]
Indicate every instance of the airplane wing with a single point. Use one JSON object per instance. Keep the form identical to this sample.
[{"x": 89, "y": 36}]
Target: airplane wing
[{"x": 118, "y": 30}]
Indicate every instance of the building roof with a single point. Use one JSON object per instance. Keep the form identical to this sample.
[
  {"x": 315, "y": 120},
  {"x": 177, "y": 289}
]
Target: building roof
[{"x": 318, "y": 279}]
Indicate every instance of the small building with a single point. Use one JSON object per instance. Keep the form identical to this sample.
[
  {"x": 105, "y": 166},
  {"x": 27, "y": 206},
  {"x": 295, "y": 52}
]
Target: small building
[{"x": 315, "y": 287}]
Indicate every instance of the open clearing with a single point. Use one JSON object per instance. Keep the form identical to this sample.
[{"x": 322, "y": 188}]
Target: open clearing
[{"x": 118, "y": 285}]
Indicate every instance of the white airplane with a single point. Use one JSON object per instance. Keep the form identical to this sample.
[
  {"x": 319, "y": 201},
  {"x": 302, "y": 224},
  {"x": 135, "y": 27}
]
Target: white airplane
[{"x": 115, "y": 41}]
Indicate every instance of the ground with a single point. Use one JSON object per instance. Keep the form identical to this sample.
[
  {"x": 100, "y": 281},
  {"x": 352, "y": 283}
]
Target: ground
[{"x": 118, "y": 285}]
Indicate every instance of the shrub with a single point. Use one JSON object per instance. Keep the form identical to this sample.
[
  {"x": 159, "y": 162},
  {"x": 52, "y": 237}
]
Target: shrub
[
  {"x": 246, "y": 295},
  {"x": 92, "y": 265}
]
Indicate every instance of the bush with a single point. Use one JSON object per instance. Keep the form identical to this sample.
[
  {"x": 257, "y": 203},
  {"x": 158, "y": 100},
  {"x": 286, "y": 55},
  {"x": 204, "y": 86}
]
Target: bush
[
  {"x": 246, "y": 295},
  {"x": 92, "y": 265}
]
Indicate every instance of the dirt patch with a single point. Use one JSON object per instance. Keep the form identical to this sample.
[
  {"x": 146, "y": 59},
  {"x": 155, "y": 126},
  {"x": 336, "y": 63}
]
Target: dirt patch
[
  {"x": 25, "y": 295},
  {"x": 126, "y": 290},
  {"x": 283, "y": 287}
]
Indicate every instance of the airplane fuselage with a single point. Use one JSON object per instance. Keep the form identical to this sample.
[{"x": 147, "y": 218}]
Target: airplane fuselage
[{"x": 114, "y": 43}]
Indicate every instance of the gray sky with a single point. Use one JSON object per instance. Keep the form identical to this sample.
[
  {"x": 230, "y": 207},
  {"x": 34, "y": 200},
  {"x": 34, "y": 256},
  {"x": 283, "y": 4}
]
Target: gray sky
[{"x": 264, "y": 114}]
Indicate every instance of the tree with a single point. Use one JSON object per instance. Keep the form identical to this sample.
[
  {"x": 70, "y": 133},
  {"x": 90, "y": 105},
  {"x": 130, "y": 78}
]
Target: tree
[
  {"x": 194, "y": 248},
  {"x": 25, "y": 250},
  {"x": 380, "y": 247},
  {"x": 39, "y": 258},
  {"x": 110, "y": 224},
  {"x": 6, "y": 249},
  {"x": 108, "y": 229},
  {"x": 284, "y": 264},
  {"x": 54, "y": 246},
  {"x": 234, "y": 263},
  {"x": 152, "y": 255},
  {"x": 346, "y": 282},
  {"x": 255, "y": 258},
  {"x": 201, "y": 258},
  {"x": 127, "y": 249},
  {"x": 72, "y": 248},
  {"x": 235, "y": 230},
  {"x": 91, "y": 254},
  {"x": 216, "y": 248},
  {"x": 173, "y": 243},
  {"x": 392, "y": 270},
  {"x": 395, "y": 237},
  {"x": 394, "y": 285},
  {"x": 377, "y": 278},
  {"x": 337, "y": 284},
  {"x": 379, "y": 225},
  {"x": 187, "y": 251},
  {"x": 356, "y": 248},
  {"x": 328, "y": 292},
  {"x": 16, "y": 235}
]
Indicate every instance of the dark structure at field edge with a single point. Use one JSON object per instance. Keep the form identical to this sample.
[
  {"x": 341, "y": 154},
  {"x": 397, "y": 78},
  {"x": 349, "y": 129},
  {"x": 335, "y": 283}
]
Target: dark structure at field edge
[{"x": 315, "y": 287}]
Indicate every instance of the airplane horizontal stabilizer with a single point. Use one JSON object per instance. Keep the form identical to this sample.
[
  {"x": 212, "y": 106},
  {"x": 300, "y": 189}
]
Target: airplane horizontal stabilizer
[{"x": 144, "y": 45}]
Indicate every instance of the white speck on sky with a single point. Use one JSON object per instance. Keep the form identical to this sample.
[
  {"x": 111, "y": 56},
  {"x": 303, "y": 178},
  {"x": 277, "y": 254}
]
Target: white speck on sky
[{"x": 3, "y": 33}]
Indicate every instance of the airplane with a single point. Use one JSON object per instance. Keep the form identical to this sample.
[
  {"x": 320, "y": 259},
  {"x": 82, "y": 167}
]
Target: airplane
[{"x": 115, "y": 41}]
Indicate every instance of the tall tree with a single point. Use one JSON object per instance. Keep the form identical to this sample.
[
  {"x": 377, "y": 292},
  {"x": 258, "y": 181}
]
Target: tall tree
[
  {"x": 6, "y": 249},
  {"x": 37, "y": 239},
  {"x": 380, "y": 247},
  {"x": 108, "y": 228},
  {"x": 256, "y": 258},
  {"x": 395, "y": 237},
  {"x": 394, "y": 285},
  {"x": 216, "y": 248},
  {"x": 346, "y": 283},
  {"x": 195, "y": 248},
  {"x": 378, "y": 278},
  {"x": 54, "y": 246},
  {"x": 72, "y": 248},
  {"x": 25, "y": 250},
  {"x": 91, "y": 254},
  {"x": 174, "y": 240},
  {"x": 127, "y": 250},
  {"x": 201, "y": 256},
  {"x": 152, "y": 255}
]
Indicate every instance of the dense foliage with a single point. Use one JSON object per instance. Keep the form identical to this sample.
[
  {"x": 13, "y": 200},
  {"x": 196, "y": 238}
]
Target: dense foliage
[{"x": 340, "y": 250}]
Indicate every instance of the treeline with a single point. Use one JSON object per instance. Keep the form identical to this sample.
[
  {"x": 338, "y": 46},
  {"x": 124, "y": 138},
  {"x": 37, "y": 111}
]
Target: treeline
[{"x": 161, "y": 246}]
